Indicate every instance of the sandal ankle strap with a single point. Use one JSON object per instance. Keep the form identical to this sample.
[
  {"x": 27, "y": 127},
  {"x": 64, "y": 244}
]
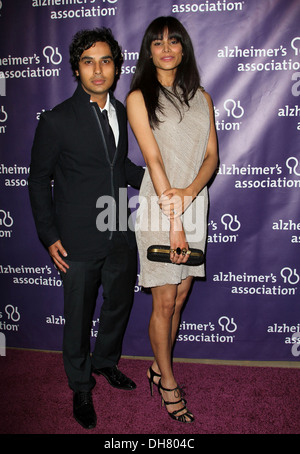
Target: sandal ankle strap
[{"x": 179, "y": 388}]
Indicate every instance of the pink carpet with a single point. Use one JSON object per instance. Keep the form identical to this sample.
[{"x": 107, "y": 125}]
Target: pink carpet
[{"x": 35, "y": 399}]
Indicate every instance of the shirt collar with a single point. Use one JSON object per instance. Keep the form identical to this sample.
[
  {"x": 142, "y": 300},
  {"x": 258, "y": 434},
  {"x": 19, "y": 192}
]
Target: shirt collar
[{"x": 108, "y": 105}]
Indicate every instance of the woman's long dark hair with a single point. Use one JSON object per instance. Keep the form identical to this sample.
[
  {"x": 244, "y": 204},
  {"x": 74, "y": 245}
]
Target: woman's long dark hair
[{"x": 187, "y": 78}]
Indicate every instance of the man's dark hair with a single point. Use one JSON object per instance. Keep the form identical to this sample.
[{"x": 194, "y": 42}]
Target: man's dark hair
[{"x": 84, "y": 39}]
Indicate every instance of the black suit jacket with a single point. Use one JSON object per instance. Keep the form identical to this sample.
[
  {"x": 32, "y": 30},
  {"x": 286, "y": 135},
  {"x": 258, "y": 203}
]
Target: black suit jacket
[{"x": 69, "y": 149}]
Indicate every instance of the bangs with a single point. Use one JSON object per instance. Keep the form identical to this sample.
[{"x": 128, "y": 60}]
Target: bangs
[
  {"x": 162, "y": 25},
  {"x": 171, "y": 35}
]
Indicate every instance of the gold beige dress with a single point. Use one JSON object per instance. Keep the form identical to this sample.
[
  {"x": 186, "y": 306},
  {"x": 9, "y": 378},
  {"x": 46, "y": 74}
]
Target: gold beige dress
[{"x": 182, "y": 144}]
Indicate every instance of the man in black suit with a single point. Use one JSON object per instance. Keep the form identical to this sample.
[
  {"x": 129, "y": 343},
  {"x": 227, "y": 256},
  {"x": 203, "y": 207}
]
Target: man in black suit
[{"x": 73, "y": 147}]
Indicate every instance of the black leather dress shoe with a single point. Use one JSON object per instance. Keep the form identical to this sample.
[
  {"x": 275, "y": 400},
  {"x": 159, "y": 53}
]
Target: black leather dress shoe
[
  {"x": 115, "y": 377},
  {"x": 83, "y": 409}
]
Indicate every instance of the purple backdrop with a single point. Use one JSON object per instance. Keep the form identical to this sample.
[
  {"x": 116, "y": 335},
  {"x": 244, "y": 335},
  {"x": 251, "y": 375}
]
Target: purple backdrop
[{"x": 248, "y": 53}]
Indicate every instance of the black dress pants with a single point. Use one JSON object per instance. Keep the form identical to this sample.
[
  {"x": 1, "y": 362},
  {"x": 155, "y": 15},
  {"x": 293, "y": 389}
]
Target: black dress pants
[{"x": 116, "y": 272}]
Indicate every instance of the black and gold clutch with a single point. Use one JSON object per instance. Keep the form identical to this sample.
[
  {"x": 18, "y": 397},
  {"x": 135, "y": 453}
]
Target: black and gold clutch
[{"x": 160, "y": 253}]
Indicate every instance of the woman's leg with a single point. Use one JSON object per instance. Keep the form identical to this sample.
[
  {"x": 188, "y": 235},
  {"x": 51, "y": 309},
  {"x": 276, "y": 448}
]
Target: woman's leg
[
  {"x": 167, "y": 304},
  {"x": 160, "y": 329},
  {"x": 181, "y": 294}
]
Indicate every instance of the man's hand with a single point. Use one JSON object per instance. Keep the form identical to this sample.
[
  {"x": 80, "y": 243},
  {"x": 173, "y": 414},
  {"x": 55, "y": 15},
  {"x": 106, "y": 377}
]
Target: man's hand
[{"x": 56, "y": 250}]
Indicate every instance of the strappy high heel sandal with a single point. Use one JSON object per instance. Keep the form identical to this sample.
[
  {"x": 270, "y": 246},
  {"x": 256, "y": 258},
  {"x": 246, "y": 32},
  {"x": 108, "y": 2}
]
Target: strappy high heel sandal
[
  {"x": 187, "y": 416},
  {"x": 151, "y": 379}
]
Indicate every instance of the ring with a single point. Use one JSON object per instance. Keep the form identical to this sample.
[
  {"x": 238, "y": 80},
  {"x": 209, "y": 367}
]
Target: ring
[
  {"x": 188, "y": 252},
  {"x": 183, "y": 252},
  {"x": 178, "y": 251}
]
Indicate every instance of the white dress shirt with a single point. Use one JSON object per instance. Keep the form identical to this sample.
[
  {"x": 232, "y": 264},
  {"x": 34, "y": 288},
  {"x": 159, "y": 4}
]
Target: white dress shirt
[{"x": 112, "y": 118}]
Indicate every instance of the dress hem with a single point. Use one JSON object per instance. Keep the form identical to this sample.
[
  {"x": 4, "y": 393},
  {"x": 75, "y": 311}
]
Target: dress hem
[{"x": 175, "y": 281}]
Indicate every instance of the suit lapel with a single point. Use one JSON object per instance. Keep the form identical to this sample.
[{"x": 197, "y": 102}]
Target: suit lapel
[
  {"x": 122, "y": 127},
  {"x": 90, "y": 119}
]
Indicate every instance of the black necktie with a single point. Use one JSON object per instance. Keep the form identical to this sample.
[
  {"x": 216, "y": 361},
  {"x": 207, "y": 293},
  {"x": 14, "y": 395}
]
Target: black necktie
[{"x": 111, "y": 144}]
